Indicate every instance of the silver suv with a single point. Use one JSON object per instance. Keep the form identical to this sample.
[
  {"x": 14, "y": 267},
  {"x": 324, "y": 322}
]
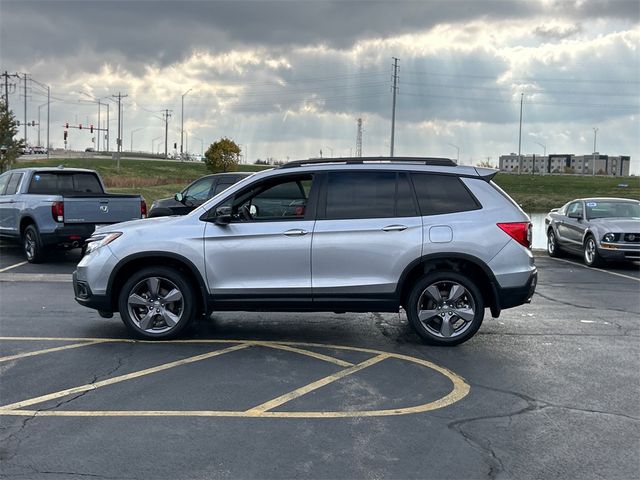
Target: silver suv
[{"x": 338, "y": 235}]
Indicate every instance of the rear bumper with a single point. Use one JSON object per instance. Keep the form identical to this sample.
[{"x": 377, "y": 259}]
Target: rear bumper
[
  {"x": 68, "y": 235},
  {"x": 85, "y": 297},
  {"x": 514, "y": 296}
]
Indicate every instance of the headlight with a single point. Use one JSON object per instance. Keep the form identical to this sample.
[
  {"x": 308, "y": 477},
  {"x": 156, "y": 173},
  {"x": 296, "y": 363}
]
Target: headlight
[
  {"x": 610, "y": 237},
  {"x": 100, "y": 240}
]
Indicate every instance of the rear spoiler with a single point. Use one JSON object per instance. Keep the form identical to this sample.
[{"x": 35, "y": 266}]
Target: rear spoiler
[{"x": 487, "y": 174}]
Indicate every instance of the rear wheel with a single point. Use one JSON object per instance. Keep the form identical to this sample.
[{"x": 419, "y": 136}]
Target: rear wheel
[
  {"x": 32, "y": 245},
  {"x": 552, "y": 244},
  {"x": 156, "y": 303},
  {"x": 591, "y": 255},
  {"x": 445, "y": 308}
]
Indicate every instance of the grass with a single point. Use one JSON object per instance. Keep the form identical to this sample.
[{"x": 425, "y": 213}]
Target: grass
[
  {"x": 156, "y": 179},
  {"x": 541, "y": 193},
  {"x": 153, "y": 179}
]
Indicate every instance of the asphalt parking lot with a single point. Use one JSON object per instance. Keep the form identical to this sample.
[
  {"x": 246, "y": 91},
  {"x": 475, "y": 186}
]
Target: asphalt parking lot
[{"x": 548, "y": 390}]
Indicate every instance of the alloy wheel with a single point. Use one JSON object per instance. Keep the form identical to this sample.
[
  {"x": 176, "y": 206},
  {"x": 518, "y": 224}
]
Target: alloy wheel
[
  {"x": 446, "y": 309},
  {"x": 155, "y": 305}
]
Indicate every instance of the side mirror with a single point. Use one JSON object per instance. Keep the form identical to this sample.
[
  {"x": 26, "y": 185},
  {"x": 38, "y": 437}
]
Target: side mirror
[
  {"x": 179, "y": 197},
  {"x": 223, "y": 216},
  {"x": 575, "y": 215}
]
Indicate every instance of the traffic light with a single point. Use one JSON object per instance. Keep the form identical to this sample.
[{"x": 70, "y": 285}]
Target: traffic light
[
  {"x": 66, "y": 125},
  {"x": 18, "y": 122},
  {"x": 80, "y": 126},
  {"x": 65, "y": 135},
  {"x": 91, "y": 128},
  {"x": 175, "y": 145}
]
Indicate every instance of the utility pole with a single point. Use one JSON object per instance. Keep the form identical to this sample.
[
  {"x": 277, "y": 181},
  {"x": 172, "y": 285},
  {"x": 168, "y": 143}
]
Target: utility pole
[
  {"x": 25, "y": 109},
  {"x": 393, "y": 110},
  {"x": 595, "y": 136},
  {"x": 359, "y": 139},
  {"x": 166, "y": 116},
  {"x": 120, "y": 96},
  {"x": 520, "y": 136}
]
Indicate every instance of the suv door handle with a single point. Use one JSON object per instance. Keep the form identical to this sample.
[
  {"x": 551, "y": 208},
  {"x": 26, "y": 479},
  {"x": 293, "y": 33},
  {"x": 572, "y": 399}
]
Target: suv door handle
[
  {"x": 295, "y": 232},
  {"x": 394, "y": 228}
]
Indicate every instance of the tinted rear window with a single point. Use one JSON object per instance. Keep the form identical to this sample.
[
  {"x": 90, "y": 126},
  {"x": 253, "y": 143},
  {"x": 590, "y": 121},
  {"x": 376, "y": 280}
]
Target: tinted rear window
[
  {"x": 368, "y": 195},
  {"x": 54, "y": 183},
  {"x": 439, "y": 194}
]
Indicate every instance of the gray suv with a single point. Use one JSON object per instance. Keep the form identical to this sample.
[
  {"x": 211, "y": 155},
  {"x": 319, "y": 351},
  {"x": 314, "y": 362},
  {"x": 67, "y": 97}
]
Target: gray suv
[{"x": 338, "y": 235}]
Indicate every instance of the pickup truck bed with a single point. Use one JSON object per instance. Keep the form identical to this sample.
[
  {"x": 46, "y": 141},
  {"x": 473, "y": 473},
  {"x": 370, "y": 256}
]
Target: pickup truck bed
[{"x": 59, "y": 207}]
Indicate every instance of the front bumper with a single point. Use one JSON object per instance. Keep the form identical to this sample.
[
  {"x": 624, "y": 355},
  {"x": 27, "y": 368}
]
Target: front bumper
[
  {"x": 619, "y": 251},
  {"x": 84, "y": 296}
]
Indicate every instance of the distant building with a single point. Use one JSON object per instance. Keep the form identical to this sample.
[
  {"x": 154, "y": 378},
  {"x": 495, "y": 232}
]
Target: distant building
[{"x": 566, "y": 163}]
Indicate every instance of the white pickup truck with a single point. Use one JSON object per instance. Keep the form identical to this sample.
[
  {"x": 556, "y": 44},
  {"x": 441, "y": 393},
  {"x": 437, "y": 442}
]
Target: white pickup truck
[{"x": 46, "y": 208}]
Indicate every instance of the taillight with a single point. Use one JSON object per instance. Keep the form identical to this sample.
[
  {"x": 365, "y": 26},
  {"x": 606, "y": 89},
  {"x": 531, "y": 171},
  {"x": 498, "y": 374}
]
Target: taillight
[
  {"x": 57, "y": 211},
  {"x": 519, "y": 231},
  {"x": 143, "y": 209}
]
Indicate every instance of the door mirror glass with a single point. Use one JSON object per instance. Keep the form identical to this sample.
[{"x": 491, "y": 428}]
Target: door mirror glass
[
  {"x": 575, "y": 215},
  {"x": 179, "y": 197}
]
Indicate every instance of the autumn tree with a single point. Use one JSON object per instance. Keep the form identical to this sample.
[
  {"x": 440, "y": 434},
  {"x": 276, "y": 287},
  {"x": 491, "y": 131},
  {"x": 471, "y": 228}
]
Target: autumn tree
[
  {"x": 9, "y": 146},
  {"x": 222, "y": 156}
]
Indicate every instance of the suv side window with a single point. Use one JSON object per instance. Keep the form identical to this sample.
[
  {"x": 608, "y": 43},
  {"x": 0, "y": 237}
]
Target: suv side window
[
  {"x": 368, "y": 195},
  {"x": 12, "y": 186},
  {"x": 440, "y": 194},
  {"x": 4, "y": 179},
  {"x": 273, "y": 199},
  {"x": 221, "y": 186}
]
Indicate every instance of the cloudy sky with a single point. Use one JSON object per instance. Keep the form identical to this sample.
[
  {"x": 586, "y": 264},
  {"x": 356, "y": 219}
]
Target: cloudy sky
[{"x": 287, "y": 79}]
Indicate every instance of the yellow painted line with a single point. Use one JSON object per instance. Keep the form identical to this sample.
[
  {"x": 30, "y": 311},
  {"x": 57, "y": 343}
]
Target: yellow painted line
[
  {"x": 309, "y": 353},
  {"x": 5, "y": 269},
  {"x": 122, "y": 378},
  {"x": 460, "y": 388},
  {"x": 48, "y": 350},
  {"x": 287, "y": 397},
  {"x": 596, "y": 269}
]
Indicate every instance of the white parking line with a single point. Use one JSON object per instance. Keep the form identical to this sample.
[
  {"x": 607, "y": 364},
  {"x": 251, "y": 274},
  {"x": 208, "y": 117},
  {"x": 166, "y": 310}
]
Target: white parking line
[
  {"x": 596, "y": 269},
  {"x": 12, "y": 266}
]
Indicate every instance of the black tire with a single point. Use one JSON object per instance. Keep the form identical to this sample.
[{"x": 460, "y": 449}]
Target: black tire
[
  {"x": 32, "y": 245},
  {"x": 590, "y": 254},
  {"x": 148, "y": 316},
  {"x": 553, "y": 249},
  {"x": 432, "y": 328}
]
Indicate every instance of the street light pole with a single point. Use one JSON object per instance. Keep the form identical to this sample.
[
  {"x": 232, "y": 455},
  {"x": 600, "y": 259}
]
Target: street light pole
[
  {"x": 132, "y": 132},
  {"x": 458, "y": 150},
  {"x": 182, "y": 122},
  {"x": 543, "y": 155}
]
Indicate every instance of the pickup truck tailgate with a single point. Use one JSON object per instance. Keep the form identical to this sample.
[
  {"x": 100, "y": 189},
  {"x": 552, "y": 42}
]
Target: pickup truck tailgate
[{"x": 101, "y": 210}]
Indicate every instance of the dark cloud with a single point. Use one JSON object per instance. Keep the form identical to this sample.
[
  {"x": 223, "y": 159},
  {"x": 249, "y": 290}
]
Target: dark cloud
[{"x": 165, "y": 32}]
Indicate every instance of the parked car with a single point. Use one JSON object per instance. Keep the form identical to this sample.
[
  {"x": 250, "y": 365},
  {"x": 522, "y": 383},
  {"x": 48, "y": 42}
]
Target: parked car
[
  {"x": 599, "y": 229},
  {"x": 195, "y": 194},
  {"x": 39, "y": 150},
  {"x": 340, "y": 235},
  {"x": 45, "y": 208}
]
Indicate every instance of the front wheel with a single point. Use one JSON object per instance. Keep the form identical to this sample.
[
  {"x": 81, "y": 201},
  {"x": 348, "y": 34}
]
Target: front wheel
[
  {"x": 156, "y": 303},
  {"x": 445, "y": 308},
  {"x": 591, "y": 255}
]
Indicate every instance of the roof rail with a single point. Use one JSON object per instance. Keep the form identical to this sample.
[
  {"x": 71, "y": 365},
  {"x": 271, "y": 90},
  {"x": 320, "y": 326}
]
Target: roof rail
[{"x": 443, "y": 162}]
